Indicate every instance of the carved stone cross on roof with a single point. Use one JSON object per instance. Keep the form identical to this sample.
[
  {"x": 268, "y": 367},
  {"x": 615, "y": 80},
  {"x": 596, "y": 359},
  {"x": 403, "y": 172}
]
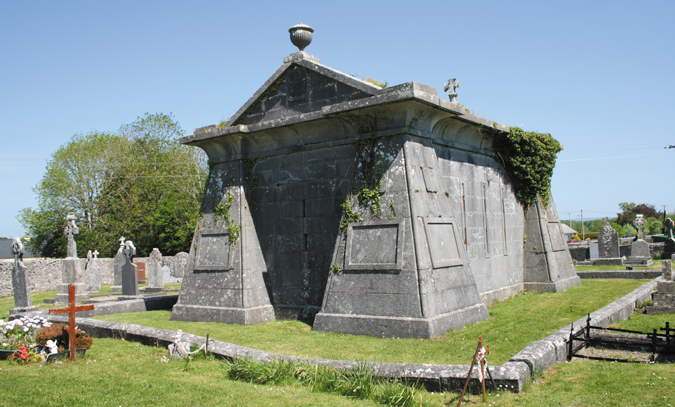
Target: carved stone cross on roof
[{"x": 71, "y": 310}]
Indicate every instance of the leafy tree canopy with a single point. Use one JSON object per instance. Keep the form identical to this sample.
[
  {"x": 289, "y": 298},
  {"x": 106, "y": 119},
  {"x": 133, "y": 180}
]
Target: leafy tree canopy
[{"x": 139, "y": 182}]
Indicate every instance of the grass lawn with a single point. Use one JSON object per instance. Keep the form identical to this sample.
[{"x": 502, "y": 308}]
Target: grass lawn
[
  {"x": 514, "y": 323},
  {"x": 116, "y": 372},
  {"x": 646, "y": 323},
  {"x": 119, "y": 373}
]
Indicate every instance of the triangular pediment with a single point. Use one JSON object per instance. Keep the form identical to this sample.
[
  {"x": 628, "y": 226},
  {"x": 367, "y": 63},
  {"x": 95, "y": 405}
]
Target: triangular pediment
[{"x": 300, "y": 86}]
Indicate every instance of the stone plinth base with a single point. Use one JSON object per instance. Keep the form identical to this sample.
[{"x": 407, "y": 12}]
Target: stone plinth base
[
  {"x": 659, "y": 310},
  {"x": 116, "y": 289},
  {"x": 62, "y": 295},
  {"x": 615, "y": 261},
  {"x": 149, "y": 290},
  {"x": 241, "y": 316},
  {"x": 638, "y": 262},
  {"x": 21, "y": 310},
  {"x": 398, "y": 327},
  {"x": 558, "y": 286}
]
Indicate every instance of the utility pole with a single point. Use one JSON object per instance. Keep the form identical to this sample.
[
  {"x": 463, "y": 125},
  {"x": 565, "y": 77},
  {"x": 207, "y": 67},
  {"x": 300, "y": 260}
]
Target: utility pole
[{"x": 583, "y": 233}]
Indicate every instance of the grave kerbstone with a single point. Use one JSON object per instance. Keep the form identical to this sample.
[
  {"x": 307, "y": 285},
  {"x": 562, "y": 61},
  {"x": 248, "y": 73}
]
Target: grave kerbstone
[
  {"x": 22, "y": 300},
  {"x": 71, "y": 272},
  {"x": 118, "y": 262},
  {"x": 129, "y": 270}
]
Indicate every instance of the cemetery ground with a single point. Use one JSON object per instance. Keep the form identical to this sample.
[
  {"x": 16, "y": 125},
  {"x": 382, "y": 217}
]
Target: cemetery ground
[{"x": 115, "y": 372}]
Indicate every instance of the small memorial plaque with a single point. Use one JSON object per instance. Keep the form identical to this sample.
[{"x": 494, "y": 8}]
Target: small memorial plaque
[
  {"x": 213, "y": 250},
  {"x": 442, "y": 239},
  {"x": 557, "y": 240},
  {"x": 375, "y": 245}
]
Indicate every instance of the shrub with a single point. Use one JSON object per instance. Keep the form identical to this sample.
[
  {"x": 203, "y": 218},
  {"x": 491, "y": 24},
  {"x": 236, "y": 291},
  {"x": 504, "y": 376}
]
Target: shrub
[{"x": 60, "y": 333}]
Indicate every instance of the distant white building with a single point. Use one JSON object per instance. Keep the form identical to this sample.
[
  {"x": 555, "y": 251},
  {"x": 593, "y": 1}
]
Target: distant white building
[{"x": 568, "y": 231}]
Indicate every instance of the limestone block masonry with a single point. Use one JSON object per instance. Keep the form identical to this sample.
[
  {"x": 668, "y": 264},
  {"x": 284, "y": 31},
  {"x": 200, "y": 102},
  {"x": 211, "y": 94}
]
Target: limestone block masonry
[{"x": 376, "y": 211}]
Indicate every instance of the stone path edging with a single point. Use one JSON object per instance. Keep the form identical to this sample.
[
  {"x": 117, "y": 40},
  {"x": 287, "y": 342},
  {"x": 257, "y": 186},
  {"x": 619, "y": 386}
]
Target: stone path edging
[{"x": 512, "y": 375}]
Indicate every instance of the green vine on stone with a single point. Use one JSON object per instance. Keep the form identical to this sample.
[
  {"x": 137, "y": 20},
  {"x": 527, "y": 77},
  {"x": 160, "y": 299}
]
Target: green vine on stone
[
  {"x": 371, "y": 164},
  {"x": 349, "y": 215},
  {"x": 529, "y": 159},
  {"x": 222, "y": 214},
  {"x": 335, "y": 268}
]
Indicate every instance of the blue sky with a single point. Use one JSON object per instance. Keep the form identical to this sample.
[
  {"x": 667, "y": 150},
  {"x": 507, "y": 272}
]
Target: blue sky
[{"x": 597, "y": 75}]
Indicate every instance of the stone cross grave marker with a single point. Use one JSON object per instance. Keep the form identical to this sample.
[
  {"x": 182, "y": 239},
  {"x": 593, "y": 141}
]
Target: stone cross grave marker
[
  {"x": 71, "y": 310},
  {"x": 669, "y": 244},
  {"x": 71, "y": 271},
  {"x": 70, "y": 230},
  {"x": 640, "y": 223},
  {"x": 22, "y": 301}
]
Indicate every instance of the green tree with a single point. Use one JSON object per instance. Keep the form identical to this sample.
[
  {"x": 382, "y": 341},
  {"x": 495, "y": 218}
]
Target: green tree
[
  {"x": 140, "y": 183},
  {"x": 72, "y": 183},
  {"x": 155, "y": 188}
]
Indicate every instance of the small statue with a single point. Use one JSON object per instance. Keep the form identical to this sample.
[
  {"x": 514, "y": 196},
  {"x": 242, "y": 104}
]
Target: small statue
[
  {"x": 52, "y": 346},
  {"x": 70, "y": 230},
  {"x": 17, "y": 251},
  {"x": 129, "y": 250},
  {"x": 179, "y": 349}
]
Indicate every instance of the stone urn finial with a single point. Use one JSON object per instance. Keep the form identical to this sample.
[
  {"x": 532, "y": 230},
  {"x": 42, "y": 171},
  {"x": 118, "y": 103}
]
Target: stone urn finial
[{"x": 301, "y": 35}]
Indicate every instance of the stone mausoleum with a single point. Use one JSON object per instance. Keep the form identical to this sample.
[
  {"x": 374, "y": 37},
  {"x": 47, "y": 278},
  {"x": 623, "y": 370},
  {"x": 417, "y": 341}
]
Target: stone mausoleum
[{"x": 375, "y": 211}]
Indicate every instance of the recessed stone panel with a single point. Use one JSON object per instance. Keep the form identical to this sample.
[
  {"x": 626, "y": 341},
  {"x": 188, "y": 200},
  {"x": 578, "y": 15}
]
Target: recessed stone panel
[
  {"x": 556, "y": 236},
  {"x": 442, "y": 239},
  {"x": 430, "y": 179},
  {"x": 375, "y": 245},
  {"x": 214, "y": 250}
]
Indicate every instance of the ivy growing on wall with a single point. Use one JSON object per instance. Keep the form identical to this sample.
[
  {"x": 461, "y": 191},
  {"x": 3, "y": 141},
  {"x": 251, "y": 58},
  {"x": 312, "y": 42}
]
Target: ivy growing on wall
[
  {"x": 529, "y": 159},
  {"x": 222, "y": 215}
]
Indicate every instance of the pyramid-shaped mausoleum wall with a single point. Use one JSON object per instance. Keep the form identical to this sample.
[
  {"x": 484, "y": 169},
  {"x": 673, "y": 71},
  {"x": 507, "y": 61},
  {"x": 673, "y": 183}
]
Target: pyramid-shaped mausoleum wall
[{"x": 373, "y": 211}]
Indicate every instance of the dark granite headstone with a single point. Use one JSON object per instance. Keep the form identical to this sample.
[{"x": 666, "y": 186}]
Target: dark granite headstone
[
  {"x": 669, "y": 244},
  {"x": 129, "y": 270}
]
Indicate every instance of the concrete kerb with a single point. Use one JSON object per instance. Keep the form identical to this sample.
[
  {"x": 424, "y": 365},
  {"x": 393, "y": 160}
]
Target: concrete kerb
[{"x": 512, "y": 375}]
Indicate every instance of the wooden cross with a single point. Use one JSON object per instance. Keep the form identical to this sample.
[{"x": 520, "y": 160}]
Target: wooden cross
[{"x": 71, "y": 310}]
